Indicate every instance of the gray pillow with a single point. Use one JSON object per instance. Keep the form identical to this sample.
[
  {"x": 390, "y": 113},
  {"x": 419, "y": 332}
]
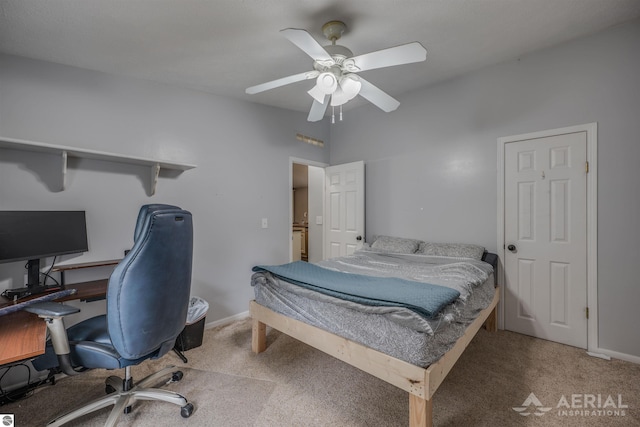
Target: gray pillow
[
  {"x": 398, "y": 245},
  {"x": 459, "y": 250}
]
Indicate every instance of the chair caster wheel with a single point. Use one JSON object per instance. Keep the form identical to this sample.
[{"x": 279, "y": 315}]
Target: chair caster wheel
[
  {"x": 177, "y": 376},
  {"x": 186, "y": 410},
  {"x": 108, "y": 389}
]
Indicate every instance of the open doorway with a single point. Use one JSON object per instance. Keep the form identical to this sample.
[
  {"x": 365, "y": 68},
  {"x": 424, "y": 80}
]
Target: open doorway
[{"x": 306, "y": 210}]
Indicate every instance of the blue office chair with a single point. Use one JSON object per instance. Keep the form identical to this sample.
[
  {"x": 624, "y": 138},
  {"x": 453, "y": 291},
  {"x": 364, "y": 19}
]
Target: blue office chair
[
  {"x": 142, "y": 216},
  {"x": 147, "y": 304},
  {"x": 144, "y": 212}
]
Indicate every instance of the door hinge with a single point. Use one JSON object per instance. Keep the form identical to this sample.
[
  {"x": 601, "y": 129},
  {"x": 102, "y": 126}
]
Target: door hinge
[
  {"x": 587, "y": 311},
  {"x": 586, "y": 167}
]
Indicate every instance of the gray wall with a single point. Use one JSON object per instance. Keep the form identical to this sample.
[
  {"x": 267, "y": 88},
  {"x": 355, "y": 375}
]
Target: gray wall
[
  {"x": 242, "y": 152},
  {"x": 431, "y": 165}
]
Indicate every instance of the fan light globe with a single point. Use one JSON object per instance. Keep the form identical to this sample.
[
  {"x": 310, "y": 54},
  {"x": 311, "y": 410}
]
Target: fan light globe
[
  {"x": 348, "y": 88},
  {"x": 317, "y": 94},
  {"x": 326, "y": 84}
]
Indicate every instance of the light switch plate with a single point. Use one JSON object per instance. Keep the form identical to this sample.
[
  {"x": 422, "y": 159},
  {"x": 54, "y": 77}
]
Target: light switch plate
[
  {"x": 319, "y": 220},
  {"x": 265, "y": 223}
]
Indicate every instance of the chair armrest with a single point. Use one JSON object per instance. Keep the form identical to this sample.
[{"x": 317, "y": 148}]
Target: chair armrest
[
  {"x": 53, "y": 314},
  {"x": 51, "y": 309}
]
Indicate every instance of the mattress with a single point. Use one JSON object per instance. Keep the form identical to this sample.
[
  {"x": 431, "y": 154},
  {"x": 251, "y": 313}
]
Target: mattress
[{"x": 396, "y": 331}]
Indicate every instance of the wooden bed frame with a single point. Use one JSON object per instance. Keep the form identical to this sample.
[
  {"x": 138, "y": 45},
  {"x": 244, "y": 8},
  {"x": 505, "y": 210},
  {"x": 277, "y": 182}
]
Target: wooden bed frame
[{"x": 421, "y": 383}]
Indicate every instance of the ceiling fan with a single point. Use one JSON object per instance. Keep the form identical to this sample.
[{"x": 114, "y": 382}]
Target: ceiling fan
[{"x": 335, "y": 70}]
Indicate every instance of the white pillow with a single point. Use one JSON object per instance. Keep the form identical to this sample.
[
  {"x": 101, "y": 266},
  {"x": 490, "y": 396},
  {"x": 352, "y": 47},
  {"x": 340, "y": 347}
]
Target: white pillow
[
  {"x": 459, "y": 250},
  {"x": 398, "y": 245}
]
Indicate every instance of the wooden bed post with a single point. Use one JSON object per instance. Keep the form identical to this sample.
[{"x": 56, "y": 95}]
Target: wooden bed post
[
  {"x": 491, "y": 324},
  {"x": 258, "y": 336},
  {"x": 420, "y": 411}
]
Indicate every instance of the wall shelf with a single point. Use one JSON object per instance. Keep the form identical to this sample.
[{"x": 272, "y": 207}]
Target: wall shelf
[{"x": 64, "y": 152}]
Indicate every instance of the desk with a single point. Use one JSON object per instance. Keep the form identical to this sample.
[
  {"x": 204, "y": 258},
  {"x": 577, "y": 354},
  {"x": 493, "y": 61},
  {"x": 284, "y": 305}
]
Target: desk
[{"x": 23, "y": 335}]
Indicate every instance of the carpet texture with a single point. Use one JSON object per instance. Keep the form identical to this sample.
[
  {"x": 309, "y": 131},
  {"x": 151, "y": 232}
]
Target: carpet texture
[{"x": 292, "y": 384}]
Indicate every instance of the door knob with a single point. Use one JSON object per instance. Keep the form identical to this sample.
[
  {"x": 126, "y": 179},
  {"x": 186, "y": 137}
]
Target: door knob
[
  {"x": 358, "y": 238},
  {"x": 512, "y": 248}
]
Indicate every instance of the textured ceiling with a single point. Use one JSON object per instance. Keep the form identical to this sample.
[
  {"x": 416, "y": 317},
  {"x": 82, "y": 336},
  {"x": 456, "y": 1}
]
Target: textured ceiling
[{"x": 224, "y": 46}]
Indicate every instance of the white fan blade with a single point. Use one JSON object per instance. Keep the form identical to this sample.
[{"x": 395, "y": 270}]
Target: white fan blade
[
  {"x": 281, "y": 82},
  {"x": 403, "y": 54},
  {"x": 318, "y": 109},
  {"x": 308, "y": 44},
  {"x": 377, "y": 97}
]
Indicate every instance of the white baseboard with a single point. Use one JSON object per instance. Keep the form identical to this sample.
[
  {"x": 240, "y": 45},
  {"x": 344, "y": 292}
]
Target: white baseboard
[
  {"x": 616, "y": 355},
  {"x": 599, "y": 355},
  {"x": 603, "y": 353},
  {"x": 227, "y": 320}
]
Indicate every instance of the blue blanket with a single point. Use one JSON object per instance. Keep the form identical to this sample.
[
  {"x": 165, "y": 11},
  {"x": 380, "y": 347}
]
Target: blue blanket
[{"x": 423, "y": 298}]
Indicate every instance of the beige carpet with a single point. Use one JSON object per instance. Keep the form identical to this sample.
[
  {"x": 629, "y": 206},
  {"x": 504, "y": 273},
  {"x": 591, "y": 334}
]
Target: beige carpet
[{"x": 292, "y": 384}]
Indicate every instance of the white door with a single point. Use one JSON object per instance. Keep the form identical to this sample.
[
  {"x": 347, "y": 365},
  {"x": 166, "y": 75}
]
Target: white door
[
  {"x": 344, "y": 196},
  {"x": 545, "y": 261}
]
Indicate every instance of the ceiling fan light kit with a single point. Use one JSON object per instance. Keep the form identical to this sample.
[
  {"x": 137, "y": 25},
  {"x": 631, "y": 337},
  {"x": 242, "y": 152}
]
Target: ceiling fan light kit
[{"x": 334, "y": 68}]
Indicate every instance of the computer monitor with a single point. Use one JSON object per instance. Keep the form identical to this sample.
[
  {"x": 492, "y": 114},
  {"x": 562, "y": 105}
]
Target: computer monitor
[{"x": 32, "y": 235}]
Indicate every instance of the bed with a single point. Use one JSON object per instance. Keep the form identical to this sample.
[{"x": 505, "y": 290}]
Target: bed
[{"x": 408, "y": 344}]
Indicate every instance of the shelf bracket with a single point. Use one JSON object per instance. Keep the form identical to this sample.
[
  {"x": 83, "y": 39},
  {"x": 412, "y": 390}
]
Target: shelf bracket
[
  {"x": 63, "y": 170},
  {"x": 155, "y": 171}
]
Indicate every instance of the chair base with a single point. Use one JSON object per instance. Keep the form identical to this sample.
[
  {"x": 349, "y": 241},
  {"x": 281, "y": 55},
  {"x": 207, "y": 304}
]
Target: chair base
[{"x": 123, "y": 396}]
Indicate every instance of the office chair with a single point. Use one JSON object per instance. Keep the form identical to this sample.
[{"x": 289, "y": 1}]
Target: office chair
[
  {"x": 142, "y": 216},
  {"x": 144, "y": 212},
  {"x": 147, "y": 304}
]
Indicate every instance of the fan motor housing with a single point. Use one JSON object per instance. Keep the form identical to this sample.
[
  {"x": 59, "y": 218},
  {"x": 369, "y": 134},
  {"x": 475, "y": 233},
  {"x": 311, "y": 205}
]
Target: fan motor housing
[{"x": 338, "y": 52}]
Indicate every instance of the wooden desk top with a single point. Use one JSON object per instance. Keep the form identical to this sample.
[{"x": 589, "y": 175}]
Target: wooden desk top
[
  {"x": 23, "y": 335},
  {"x": 68, "y": 267},
  {"x": 86, "y": 291}
]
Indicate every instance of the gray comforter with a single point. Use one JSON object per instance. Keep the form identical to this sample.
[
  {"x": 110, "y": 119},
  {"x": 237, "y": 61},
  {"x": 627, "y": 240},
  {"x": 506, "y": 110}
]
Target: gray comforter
[{"x": 460, "y": 274}]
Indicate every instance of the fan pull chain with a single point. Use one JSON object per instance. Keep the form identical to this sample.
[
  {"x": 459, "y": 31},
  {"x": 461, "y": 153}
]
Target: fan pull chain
[
  {"x": 340, "y": 112},
  {"x": 333, "y": 114}
]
